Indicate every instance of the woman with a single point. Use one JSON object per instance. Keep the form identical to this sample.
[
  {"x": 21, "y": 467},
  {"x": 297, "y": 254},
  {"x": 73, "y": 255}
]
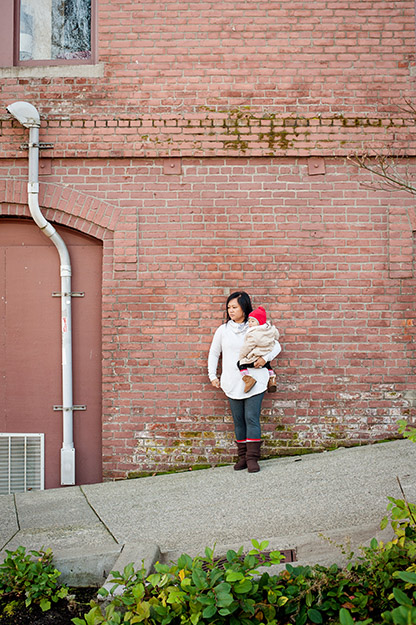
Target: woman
[{"x": 245, "y": 406}]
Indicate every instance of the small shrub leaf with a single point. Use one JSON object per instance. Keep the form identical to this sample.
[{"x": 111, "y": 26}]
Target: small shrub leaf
[
  {"x": 233, "y": 576},
  {"x": 185, "y": 561},
  {"x": 401, "y": 597},
  {"x": 154, "y": 579},
  {"x": 45, "y": 605},
  {"x": 373, "y": 543},
  {"x": 199, "y": 578},
  {"x": 209, "y": 611},
  {"x": 276, "y": 557},
  {"x": 231, "y": 555},
  {"x": 345, "y": 617},
  {"x": 243, "y": 587},
  {"x": 209, "y": 553},
  {"x": 407, "y": 576},
  {"x": 315, "y": 616}
]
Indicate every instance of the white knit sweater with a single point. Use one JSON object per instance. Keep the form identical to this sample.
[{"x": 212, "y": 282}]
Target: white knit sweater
[{"x": 228, "y": 341}]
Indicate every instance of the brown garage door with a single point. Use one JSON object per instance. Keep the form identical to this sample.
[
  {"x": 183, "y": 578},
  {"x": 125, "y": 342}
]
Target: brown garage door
[{"x": 30, "y": 343}]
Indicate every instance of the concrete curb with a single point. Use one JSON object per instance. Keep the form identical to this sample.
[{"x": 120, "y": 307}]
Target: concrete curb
[
  {"x": 326, "y": 548},
  {"x": 89, "y": 568},
  {"x": 97, "y": 528},
  {"x": 138, "y": 554}
]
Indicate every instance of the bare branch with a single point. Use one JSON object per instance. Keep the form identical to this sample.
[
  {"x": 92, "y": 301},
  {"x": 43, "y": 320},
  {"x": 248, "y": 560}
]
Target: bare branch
[
  {"x": 406, "y": 502},
  {"x": 386, "y": 172},
  {"x": 388, "y": 168}
]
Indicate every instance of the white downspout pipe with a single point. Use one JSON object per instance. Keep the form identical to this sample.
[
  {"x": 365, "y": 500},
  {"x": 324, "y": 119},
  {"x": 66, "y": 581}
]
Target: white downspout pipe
[{"x": 28, "y": 116}]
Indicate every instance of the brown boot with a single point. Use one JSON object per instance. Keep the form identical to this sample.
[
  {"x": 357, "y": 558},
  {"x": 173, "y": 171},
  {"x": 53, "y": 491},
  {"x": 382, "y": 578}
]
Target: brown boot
[
  {"x": 249, "y": 382},
  {"x": 271, "y": 385},
  {"x": 241, "y": 463},
  {"x": 252, "y": 456}
]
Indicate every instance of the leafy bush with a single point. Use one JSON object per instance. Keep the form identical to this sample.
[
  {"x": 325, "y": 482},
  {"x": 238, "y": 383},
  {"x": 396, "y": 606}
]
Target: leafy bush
[
  {"x": 388, "y": 571},
  {"x": 376, "y": 587},
  {"x": 406, "y": 430},
  {"x": 194, "y": 591},
  {"x": 27, "y": 579}
]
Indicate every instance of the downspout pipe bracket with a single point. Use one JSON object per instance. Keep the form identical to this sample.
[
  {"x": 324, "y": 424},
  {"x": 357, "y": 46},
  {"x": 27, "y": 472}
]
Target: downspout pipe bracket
[
  {"x": 77, "y": 408},
  {"x": 40, "y": 146},
  {"x": 73, "y": 294}
]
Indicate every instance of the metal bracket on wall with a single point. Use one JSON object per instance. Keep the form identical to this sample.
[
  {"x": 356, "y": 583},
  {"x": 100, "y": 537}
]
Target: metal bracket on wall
[
  {"x": 41, "y": 146},
  {"x": 172, "y": 165},
  {"x": 316, "y": 166},
  {"x": 76, "y": 294},
  {"x": 45, "y": 166},
  {"x": 61, "y": 408}
]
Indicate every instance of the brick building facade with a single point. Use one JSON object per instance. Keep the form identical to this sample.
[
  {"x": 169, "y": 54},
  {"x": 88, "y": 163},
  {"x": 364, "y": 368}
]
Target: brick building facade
[{"x": 207, "y": 150}]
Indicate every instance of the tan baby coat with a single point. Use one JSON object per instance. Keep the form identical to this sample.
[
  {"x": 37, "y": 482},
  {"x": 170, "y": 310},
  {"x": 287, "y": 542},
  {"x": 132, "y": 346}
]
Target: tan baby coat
[{"x": 258, "y": 341}]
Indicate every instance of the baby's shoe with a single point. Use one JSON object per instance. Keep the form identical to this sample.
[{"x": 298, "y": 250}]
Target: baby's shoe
[
  {"x": 249, "y": 383},
  {"x": 271, "y": 385}
]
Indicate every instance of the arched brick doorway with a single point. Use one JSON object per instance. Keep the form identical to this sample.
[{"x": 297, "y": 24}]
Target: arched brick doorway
[{"x": 30, "y": 343}]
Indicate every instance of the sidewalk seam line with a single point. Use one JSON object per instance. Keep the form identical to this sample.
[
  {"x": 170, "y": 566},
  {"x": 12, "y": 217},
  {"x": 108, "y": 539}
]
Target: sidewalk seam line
[
  {"x": 17, "y": 523},
  {"x": 99, "y": 518},
  {"x": 17, "y": 512}
]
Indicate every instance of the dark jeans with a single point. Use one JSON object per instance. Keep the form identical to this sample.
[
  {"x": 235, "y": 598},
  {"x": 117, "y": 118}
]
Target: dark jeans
[
  {"x": 251, "y": 364},
  {"x": 246, "y": 417}
]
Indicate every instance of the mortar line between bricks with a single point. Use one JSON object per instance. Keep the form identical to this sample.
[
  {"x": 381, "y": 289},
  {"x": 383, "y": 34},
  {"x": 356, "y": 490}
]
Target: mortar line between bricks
[{"x": 98, "y": 517}]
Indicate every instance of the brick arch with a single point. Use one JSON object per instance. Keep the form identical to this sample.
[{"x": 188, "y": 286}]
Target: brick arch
[{"x": 63, "y": 205}]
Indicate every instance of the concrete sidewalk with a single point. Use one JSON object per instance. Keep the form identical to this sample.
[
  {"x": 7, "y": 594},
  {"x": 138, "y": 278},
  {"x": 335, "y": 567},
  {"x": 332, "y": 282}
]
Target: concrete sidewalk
[{"x": 95, "y": 528}]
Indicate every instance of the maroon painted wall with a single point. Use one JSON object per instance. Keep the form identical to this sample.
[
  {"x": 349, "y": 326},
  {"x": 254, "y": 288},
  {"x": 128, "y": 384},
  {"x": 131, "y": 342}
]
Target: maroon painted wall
[{"x": 30, "y": 343}]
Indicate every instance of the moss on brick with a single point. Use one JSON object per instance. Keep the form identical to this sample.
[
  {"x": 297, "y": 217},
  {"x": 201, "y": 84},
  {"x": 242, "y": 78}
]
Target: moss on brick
[{"x": 238, "y": 145}]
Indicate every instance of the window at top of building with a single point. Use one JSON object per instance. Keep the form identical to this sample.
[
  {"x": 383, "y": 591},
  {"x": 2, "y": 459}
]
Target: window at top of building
[{"x": 54, "y": 30}]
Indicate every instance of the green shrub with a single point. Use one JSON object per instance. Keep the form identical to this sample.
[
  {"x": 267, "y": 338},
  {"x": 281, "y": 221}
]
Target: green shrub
[
  {"x": 376, "y": 587},
  {"x": 195, "y": 591},
  {"x": 387, "y": 572},
  {"x": 406, "y": 430},
  {"x": 27, "y": 579}
]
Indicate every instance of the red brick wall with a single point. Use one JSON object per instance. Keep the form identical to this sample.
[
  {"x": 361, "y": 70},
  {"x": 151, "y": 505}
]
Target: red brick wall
[
  {"x": 195, "y": 79},
  {"x": 291, "y": 56},
  {"x": 194, "y": 160},
  {"x": 312, "y": 248}
]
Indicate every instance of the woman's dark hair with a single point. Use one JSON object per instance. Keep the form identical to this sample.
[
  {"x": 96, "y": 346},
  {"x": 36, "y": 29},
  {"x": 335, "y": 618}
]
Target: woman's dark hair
[{"x": 243, "y": 299}]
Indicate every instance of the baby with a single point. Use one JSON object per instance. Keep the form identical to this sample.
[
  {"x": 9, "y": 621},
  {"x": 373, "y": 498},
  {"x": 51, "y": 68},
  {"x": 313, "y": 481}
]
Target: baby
[{"x": 258, "y": 341}]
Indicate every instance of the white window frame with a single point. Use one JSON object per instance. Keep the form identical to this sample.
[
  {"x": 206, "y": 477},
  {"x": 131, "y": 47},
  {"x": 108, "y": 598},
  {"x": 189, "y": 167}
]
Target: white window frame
[{"x": 10, "y": 39}]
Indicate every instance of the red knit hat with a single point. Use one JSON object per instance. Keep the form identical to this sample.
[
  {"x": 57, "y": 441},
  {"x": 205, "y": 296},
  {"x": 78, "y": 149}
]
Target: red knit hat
[{"x": 259, "y": 314}]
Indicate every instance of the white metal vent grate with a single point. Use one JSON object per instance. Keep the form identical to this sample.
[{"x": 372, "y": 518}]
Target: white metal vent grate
[{"x": 21, "y": 463}]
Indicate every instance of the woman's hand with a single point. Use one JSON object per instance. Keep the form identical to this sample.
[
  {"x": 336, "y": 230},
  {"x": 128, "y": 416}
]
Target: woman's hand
[
  {"x": 260, "y": 362},
  {"x": 215, "y": 383}
]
